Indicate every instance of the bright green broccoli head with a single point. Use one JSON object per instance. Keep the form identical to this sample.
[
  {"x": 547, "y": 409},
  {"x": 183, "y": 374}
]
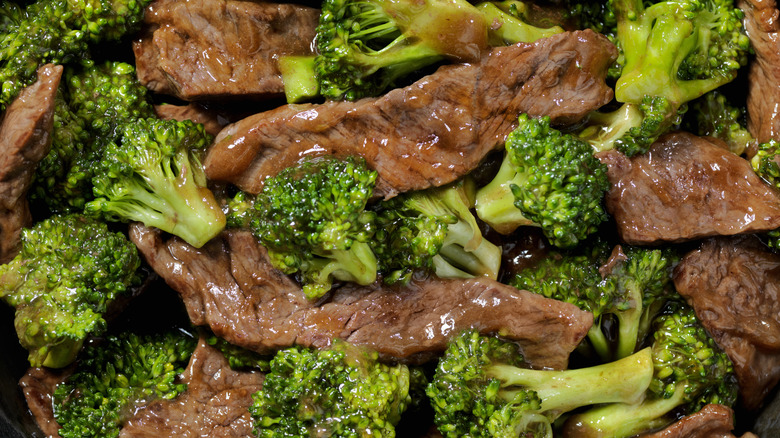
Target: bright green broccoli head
[
  {"x": 343, "y": 391},
  {"x": 115, "y": 377},
  {"x": 713, "y": 115},
  {"x": 154, "y": 175},
  {"x": 312, "y": 218},
  {"x": 547, "y": 179},
  {"x": 69, "y": 270},
  {"x": 766, "y": 162},
  {"x": 482, "y": 389}
]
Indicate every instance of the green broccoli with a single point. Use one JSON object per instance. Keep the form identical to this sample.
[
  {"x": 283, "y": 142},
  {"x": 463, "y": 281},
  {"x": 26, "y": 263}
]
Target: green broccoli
[
  {"x": 433, "y": 230},
  {"x": 29, "y": 39},
  {"x": 154, "y": 175},
  {"x": 92, "y": 105},
  {"x": 239, "y": 358},
  {"x": 69, "y": 270},
  {"x": 365, "y": 46},
  {"x": 690, "y": 372},
  {"x": 312, "y": 218},
  {"x": 342, "y": 391},
  {"x": 549, "y": 180},
  {"x": 714, "y": 115},
  {"x": 118, "y": 375},
  {"x": 766, "y": 162},
  {"x": 482, "y": 388}
]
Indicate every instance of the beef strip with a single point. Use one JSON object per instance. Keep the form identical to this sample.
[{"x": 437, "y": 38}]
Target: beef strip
[
  {"x": 25, "y": 138},
  {"x": 211, "y": 121},
  {"x": 213, "y": 49},
  {"x": 433, "y": 131},
  {"x": 230, "y": 285},
  {"x": 734, "y": 286},
  {"x": 712, "y": 421},
  {"x": 38, "y": 386},
  {"x": 684, "y": 188},
  {"x": 763, "y": 100}
]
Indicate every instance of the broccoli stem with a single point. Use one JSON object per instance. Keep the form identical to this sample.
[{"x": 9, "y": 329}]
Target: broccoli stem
[
  {"x": 622, "y": 381},
  {"x": 496, "y": 203},
  {"x": 599, "y": 341},
  {"x": 507, "y": 28},
  {"x": 300, "y": 81}
]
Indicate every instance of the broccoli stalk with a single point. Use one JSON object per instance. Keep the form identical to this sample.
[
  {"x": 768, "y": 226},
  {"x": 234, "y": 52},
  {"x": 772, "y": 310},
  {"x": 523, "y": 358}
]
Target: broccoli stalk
[
  {"x": 153, "y": 175},
  {"x": 690, "y": 371},
  {"x": 549, "y": 180},
  {"x": 480, "y": 388},
  {"x": 69, "y": 270}
]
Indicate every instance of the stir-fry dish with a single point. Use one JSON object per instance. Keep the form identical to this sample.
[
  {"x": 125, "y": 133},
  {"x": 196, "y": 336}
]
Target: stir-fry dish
[{"x": 372, "y": 218}]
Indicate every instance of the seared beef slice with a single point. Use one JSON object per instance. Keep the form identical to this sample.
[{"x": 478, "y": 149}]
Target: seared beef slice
[
  {"x": 212, "y": 49},
  {"x": 25, "y": 138},
  {"x": 684, "y": 188},
  {"x": 433, "y": 131},
  {"x": 712, "y": 421},
  {"x": 734, "y": 286},
  {"x": 230, "y": 285}
]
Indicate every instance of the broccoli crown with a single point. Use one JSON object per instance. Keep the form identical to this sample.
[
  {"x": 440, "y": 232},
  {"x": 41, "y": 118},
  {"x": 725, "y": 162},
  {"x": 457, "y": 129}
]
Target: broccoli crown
[
  {"x": 343, "y": 391},
  {"x": 480, "y": 388},
  {"x": 238, "y": 210},
  {"x": 713, "y": 115},
  {"x": 154, "y": 175},
  {"x": 115, "y": 377},
  {"x": 96, "y": 101},
  {"x": 766, "y": 162},
  {"x": 29, "y": 40},
  {"x": 548, "y": 179},
  {"x": 69, "y": 269},
  {"x": 238, "y": 357},
  {"x": 679, "y": 50},
  {"x": 312, "y": 218}
]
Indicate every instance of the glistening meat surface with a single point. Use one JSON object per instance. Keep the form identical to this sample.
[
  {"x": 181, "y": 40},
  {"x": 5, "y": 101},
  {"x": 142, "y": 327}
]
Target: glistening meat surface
[
  {"x": 433, "y": 131},
  {"x": 230, "y": 285}
]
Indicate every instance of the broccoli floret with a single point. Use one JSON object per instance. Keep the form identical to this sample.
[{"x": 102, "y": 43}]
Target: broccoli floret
[
  {"x": 365, "y": 46},
  {"x": 433, "y": 230},
  {"x": 482, "y": 388},
  {"x": 34, "y": 41},
  {"x": 342, "y": 391},
  {"x": 115, "y": 377},
  {"x": 92, "y": 105},
  {"x": 154, "y": 175},
  {"x": 312, "y": 218},
  {"x": 69, "y": 269},
  {"x": 713, "y": 115},
  {"x": 238, "y": 210},
  {"x": 766, "y": 162},
  {"x": 239, "y": 358},
  {"x": 549, "y": 180},
  {"x": 690, "y": 371}
]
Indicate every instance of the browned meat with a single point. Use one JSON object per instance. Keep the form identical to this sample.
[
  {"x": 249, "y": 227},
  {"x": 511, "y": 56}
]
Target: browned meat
[
  {"x": 215, "y": 404},
  {"x": 685, "y": 188},
  {"x": 209, "y": 49},
  {"x": 38, "y": 386},
  {"x": 762, "y": 26},
  {"x": 712, "y": 421},
  {"x": 195, "y": 112},
  {"x": 429, "y": 133},
  {"x": 230, "y": 285},
  {"x": 734, "y": 286},
  {"x": 25, "y": 138}
]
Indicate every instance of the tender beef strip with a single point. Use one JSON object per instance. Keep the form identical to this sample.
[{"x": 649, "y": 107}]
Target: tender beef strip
[
  {"x": 763, "y": 100},
  {"x": 230, "y": 285},
  {"x": 216, "y": 49},
  {"x": 712, "y": 421},
  {"x": 212, "y": 122},
  {"x": 684, "y": 188},
  {"x": 214, "y": 405},
  {"x": 734, "y": 286},
  {"x": 433, "y": 131},
  {"x": 25, "y": 138},
  {"x": 38, "y": 386}
]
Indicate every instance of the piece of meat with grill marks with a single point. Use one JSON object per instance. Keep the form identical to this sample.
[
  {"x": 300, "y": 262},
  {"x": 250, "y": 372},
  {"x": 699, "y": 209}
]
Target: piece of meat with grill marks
[
  {"x": 220, "y": 49},
  {"x": 433, "y": 131},
  {"x": 734, "y": 286},
  {"x": 712, "y": 421},
  {"x": 762, "y": 24},
  {"x": 685, "y": 188},
  {"x": 25, "y": 138},
  {"x": 230, "y": 285}
]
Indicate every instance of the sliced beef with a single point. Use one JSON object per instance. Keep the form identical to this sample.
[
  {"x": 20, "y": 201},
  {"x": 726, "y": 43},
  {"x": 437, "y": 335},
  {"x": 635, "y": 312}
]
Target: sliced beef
[
  {"x": 211, "y": 121},
  {"x": 25, "y": 138},
  {"x": 684, "y": 188},
  {"x": 431, "y": 132},
  {"x": 213, "y": 49},
  {"x": 230, "y": 285},
  {"x": 38, "y": 386},
  {"x": 763, "y": 101},
  {"x": 712, "y": 421},
  {"x": 215, "y": 404},
  {"x": 734, "y": 286}
]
